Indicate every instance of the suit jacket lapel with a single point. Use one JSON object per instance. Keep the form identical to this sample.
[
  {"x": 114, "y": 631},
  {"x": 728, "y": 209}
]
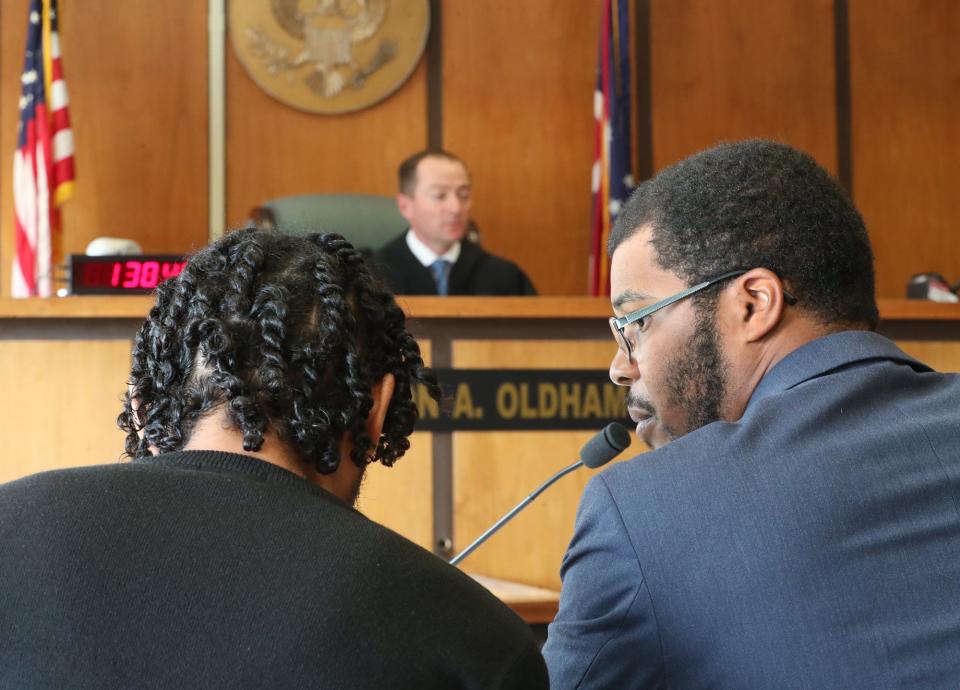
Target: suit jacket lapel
[
  {"x": 417, "y": 278},
  {"x": 462, "y": 271}
]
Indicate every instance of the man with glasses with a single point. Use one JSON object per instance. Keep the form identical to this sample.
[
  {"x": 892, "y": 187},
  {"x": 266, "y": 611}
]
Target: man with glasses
[{"x": 797, "y": 523}]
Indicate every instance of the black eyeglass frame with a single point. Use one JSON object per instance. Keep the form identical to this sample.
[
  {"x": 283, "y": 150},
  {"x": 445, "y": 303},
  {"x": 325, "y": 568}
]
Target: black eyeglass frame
[{"x": 619, "y": 323}]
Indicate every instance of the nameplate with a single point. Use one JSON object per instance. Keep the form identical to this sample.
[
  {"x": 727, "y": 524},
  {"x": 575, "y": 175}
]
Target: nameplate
[{"x": 522, "y": 399}]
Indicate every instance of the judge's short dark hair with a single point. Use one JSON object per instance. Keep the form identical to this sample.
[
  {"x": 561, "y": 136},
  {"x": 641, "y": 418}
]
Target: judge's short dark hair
[
  {"x": 284, "y": 333},
  {"x": 753, "y": 204},
  {"x": 407, "y": 172}
]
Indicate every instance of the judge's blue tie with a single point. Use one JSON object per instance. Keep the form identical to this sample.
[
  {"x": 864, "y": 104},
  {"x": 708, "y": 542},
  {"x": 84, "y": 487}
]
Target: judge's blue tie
[{"x": 441, "y": 274}]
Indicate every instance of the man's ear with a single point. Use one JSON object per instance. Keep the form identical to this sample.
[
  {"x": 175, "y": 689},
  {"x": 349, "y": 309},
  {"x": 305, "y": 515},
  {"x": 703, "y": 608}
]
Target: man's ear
[
  {"x": 403, "y": 205},
  {"x": 760, "y": 304},
  {"x": 382, "y": 394}
]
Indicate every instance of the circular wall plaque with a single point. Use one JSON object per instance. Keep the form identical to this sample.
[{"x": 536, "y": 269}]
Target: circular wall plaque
[{"x": 329, "y": 56}]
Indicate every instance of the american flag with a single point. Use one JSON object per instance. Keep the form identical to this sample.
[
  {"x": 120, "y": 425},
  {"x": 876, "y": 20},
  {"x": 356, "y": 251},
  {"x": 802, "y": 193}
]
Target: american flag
[
  {"x": 43, "y": 163},
  {"x": 611, "y": 177}
]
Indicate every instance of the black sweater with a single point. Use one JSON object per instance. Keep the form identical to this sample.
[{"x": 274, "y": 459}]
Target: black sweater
[{"x": 204, "y": 569}]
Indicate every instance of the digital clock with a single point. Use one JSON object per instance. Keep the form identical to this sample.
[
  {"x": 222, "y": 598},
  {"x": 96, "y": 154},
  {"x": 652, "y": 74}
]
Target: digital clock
[{"x": 121, "y": 275}]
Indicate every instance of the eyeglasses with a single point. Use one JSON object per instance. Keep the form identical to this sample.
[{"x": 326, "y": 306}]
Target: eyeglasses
[{"x": 618, "y": 325}]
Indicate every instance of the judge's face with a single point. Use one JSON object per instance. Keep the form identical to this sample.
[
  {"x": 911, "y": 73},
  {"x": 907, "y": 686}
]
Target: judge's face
[
  {"x": 676, "y": 373},
  {"x": 439, "y": 208}
]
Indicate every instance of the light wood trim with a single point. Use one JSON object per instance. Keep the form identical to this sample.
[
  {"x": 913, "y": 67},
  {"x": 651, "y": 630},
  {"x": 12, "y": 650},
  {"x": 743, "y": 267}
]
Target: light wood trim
[
  {"x": 507, "y": 307},
  {"x": 532, "y": 604},
  {"x": 60, "y": 403},
  {"x": 135, "y": 307},
  {"x": 917, "y": 310},
  {"x": 76, "y": 308}
]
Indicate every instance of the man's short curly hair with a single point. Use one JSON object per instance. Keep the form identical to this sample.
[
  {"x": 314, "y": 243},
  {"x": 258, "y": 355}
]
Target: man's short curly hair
[
  {"x": 407, "y": 171},
  {"x": 283, "y": 332},
  {"x": 759, "y": 204}
]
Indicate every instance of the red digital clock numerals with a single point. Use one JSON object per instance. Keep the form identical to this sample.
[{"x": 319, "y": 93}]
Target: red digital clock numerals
[
  {"x": 134, "y": 274},
  {"x": 119, "y": 275}
]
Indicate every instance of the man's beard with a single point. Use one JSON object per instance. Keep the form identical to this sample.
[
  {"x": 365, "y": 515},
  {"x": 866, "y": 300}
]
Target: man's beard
[{"x": 695, "y": 380}]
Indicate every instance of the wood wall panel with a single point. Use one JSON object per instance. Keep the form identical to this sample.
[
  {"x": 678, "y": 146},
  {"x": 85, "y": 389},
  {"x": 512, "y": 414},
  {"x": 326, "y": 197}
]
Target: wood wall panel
[
  {"x": 60, "y": 403},
  {"x": 905, "y": 98},
  {"x": 516, "y": 97},
  {"x": 736, "y": 69},
  {"x": 274, "y": 150},
  {"x": 942, "y": 355},
  {"x": 494, "y": 471},
  {"x": 517, "y": 105},
  {"x": 401, "y": 497},
  {"x": 518, "y": 79},
  {"x": 137, "y": 77}
]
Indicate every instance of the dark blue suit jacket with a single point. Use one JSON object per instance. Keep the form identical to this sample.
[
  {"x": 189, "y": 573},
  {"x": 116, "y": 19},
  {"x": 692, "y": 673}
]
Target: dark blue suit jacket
[{"x": 814, "y": 543}]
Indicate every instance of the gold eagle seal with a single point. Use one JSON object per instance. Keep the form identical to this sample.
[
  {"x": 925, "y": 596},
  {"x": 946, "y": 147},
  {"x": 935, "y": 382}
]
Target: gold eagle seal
[{"x": 329, "y": 56}]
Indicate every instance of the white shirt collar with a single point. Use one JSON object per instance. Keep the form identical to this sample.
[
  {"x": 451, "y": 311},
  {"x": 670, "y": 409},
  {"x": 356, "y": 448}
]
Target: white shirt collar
[{"x": 427, "y": 256}]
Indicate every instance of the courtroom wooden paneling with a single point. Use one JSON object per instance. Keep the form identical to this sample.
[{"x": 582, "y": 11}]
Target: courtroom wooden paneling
[
  {"x": 60, "y": 403},
  {"x": 942, "y": 355},
  {"x": 735, "y": 69},
  {"x": 517, "y": 105},
  {"x": 518, "y": 108},
  {"x": 905, "y": 73},
  {"x": 401, "y": 497},
  {"x": 137, "y": 78},
  {"x": 495, "y": 470},
  {"x": 59, "y": 409},
  {"x": 274, "y": 150},
  {"x": 61, "y": 398}
]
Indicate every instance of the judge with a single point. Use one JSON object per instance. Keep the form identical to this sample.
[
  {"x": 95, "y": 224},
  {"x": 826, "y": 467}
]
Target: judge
[{"x": 433, "y": 257}]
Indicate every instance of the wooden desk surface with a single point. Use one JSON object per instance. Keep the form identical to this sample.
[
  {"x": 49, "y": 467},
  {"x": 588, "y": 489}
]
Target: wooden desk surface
[
  {"x": 533, "y": 604},
  {"x": 87, "y": 307}
]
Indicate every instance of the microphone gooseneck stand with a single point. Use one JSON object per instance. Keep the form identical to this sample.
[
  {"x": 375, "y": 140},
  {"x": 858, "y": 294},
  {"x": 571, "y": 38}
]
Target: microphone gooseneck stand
[
  {"x": 602, "y": 447},
  {"x": 516, "y": 509}
]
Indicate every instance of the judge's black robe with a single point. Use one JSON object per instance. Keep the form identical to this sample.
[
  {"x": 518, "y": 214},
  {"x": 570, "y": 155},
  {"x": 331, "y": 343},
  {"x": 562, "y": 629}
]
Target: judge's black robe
[{"x": 475, "y": 272}]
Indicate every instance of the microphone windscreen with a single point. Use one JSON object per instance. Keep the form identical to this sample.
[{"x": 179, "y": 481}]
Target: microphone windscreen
[{"x": 605, "y": 445}]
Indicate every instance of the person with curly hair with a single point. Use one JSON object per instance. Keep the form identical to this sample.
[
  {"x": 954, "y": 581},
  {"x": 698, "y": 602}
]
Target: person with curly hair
[{"x": 227, "y": 553}]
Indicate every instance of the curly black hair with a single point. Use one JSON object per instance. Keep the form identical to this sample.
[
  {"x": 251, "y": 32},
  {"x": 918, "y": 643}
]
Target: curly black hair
[
  {"x": 284, "y": 332},
  {"x": 759, "y": 204}
]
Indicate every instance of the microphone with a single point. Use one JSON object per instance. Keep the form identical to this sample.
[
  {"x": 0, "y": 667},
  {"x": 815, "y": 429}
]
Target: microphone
[{"x": 602, "y": 447}]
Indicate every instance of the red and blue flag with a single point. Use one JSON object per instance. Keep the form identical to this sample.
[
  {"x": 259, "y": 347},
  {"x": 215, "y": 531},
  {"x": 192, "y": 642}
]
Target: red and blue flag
[
  {"x": 43, "y": 162},
  {"x": 611, "y": 180}
]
